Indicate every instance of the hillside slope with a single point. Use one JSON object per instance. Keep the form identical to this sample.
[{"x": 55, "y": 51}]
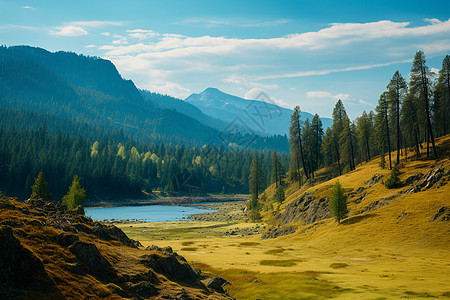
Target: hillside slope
[
  {"x": 416, "y": 214},
  {"x": 394, "y": 245},
  {"x": 50, "y": 253}
]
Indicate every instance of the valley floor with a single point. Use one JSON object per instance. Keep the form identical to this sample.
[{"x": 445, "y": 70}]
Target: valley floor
[
  {"x": 397, "y": 250},
  {"x": 292, "y": 268}
]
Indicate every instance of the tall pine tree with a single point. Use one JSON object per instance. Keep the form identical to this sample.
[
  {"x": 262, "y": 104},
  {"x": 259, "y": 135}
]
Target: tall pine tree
[{"x": 397, "y": 89}]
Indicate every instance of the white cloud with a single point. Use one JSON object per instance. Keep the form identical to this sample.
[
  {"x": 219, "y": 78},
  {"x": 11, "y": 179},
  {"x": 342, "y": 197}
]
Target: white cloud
[
  {"x": 340, "y": 96},
  {"x": 106, "y": 33},
  {"x": 360, "y": 101},
  {"x": 208, "y": 22},
  {"x": 69, "y": 31},
  {"x": 435, "y": 71},
  {"x": 432, "y": 21},
  {"x": 28, "y": 7},
  {"x": 93, "y": 23},
  {"x": 169, "y": 88},
  {"x": 329, "y": 71},
  {"x": 141, "y": 34},
  {"x": 324, "y": 94},
  {"x": 120, "y": 39},
  {"x": 261, "y": 95},
  {"x": 17, "y": 27},
  {"x": 318, "y": 94},
  {"x": 89, "y": 46}
]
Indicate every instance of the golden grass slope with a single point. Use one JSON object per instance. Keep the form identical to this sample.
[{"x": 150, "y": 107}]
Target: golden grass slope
[{"x": 391, "y": 252}]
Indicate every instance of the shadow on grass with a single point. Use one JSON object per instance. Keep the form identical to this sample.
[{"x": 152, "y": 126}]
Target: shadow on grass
[{"x": 356, "y": 219}]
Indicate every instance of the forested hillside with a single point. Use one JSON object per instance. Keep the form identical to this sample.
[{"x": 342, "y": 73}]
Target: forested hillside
[
  {"x": 90, "y": 90},
  {"x": 404, "y": 127},
  {"x": 70, "y": 114}
]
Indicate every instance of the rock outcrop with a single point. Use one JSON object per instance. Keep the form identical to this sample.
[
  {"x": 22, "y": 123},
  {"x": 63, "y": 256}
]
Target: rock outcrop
[
  {"x": 48, "y": 252},
  {"x": 307, "y": 209},
  {"x": 20, "y": 269}
]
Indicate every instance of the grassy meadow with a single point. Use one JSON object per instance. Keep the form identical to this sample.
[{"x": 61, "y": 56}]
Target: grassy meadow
[{"x": 392, "y": 252}]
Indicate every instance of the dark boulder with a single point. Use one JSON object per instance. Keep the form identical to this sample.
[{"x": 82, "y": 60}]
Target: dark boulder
[
  {"x": 79, "y": 210},
  {"x": 20, "y": 269},
  {"x": 443, "y": 214},
  {"x": 65, "y": 239},
  {"x": 306, "y": 209},
  {"x": 144, "y": 289},
  {"x": 174, "y": 268},
  {"x": 89, "y": 255},
  {"x": 111, "y": 232},
  {"x": 279, "y": 231},
  {"x": 216, "y": 284},
  {"x": 375, "y": 179}
]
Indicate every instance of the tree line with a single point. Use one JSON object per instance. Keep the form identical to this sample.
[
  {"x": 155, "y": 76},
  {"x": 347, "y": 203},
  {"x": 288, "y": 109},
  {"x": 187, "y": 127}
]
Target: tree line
[
  {"x": 120, "y": 165},
  {"x": 406, "y": 116}
]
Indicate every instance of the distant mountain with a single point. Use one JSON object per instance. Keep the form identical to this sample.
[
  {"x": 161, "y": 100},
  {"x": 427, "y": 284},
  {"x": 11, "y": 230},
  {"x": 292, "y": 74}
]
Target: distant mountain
[
  {"x": 261, "y": 116},
  {"x": 90, "y": 90},
  {"x": 180, "y": 106}
]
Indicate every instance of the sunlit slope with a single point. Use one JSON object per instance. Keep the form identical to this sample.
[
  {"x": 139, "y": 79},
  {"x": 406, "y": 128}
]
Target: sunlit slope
[{"x": 377, "y": 215}]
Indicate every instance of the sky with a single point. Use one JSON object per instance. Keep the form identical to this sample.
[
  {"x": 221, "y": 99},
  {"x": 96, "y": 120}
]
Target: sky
[{"x": 307, "y": 53}]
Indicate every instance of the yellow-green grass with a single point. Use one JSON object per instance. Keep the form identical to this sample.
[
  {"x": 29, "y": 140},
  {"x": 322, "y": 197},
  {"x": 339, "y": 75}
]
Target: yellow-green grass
[{"x": 393, "y": 252}]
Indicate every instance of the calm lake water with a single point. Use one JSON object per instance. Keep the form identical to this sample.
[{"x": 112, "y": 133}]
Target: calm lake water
[{"x": 148, "y": 213}]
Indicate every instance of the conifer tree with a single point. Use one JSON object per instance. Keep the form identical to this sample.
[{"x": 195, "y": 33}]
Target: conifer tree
[
  {"x": 275, "y": 169},
  {"x": 339, "y": 115},
  {"x": 338, "y": 202},
  {"x": 346, "y": 142},
  {"x": 410, "y": 123},
  {"x": 40, "y": 188},
  {"x": 256, "y": 185},
  {"x": 443, "y": 97},
  {"x": 279, "y": 194},
  {"x": 76, "y": 194},
  {"x": 295, "y": 139},
  {"x": 396, "y": 90},
  {"x": 420, "y": 86},
  {"x": 382, "y": 126},
  {"x": 364, "y": 133}
]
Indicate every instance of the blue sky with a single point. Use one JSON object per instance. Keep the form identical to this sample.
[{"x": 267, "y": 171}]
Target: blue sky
[{"x": 306, "y": 53}]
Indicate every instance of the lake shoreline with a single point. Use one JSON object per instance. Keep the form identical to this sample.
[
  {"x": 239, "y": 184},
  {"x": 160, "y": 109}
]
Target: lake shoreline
[{"x": 167, "y": 200}]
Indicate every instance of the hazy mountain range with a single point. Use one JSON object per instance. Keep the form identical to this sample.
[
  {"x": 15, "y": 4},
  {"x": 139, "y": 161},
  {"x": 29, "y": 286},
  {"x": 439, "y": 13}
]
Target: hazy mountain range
[
  {"x": 261, "y": 116},
  {"x": 63, "y": 89}
]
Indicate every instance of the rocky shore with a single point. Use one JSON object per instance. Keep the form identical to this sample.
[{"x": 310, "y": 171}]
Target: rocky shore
[
  {"x": 165, "y": 199},
  {"x": 226, "y": 211}
]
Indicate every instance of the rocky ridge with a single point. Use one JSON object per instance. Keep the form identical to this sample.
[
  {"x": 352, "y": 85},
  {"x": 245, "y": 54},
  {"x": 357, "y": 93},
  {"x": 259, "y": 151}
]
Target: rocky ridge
[{"x": 48, "y": 252}]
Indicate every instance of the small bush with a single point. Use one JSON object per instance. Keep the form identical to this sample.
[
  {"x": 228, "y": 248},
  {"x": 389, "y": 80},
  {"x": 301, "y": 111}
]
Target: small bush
[
  {"x": 279, "y": 263},
  {"x": 189, "y": 249},
  {"x": 338, "y": 265},
  {"x": 394, "y": 180}
]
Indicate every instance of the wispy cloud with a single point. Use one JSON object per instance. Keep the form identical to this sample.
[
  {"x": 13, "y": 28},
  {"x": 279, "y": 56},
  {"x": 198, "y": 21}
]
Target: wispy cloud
[
  {"x": 79, "y": 28},
  {"x": 28, "y": 7},
  {"x": 142, "y": 34},
  {"x": 93, "y": 23},
  {"x": 208, "y": 22},
  {"x": 324, "y": 94},
  {"x": 68, "y": 31},
  {"x": 17, "y": 27},
  {"x": 255, "y": 94},
  {"x": 247, "y": 63},
  {"x": 329, "y": 71},
  {"x": 339, "y": 96}
]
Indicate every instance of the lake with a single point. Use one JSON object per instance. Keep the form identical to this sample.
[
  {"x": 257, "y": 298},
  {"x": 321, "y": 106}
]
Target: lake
[{"x": 148, "y": 213}]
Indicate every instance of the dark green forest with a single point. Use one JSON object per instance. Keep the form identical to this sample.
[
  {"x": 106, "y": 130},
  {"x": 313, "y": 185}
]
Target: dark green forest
[
  {"x": 407, "y": 116},
  {"x": 69, "y": 114},
  {"x": 114, "y": 167}
]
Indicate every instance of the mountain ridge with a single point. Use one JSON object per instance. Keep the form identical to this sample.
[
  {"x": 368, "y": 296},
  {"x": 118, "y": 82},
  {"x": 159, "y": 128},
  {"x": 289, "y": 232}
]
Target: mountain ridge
[{"x": 261, "y": 115}]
